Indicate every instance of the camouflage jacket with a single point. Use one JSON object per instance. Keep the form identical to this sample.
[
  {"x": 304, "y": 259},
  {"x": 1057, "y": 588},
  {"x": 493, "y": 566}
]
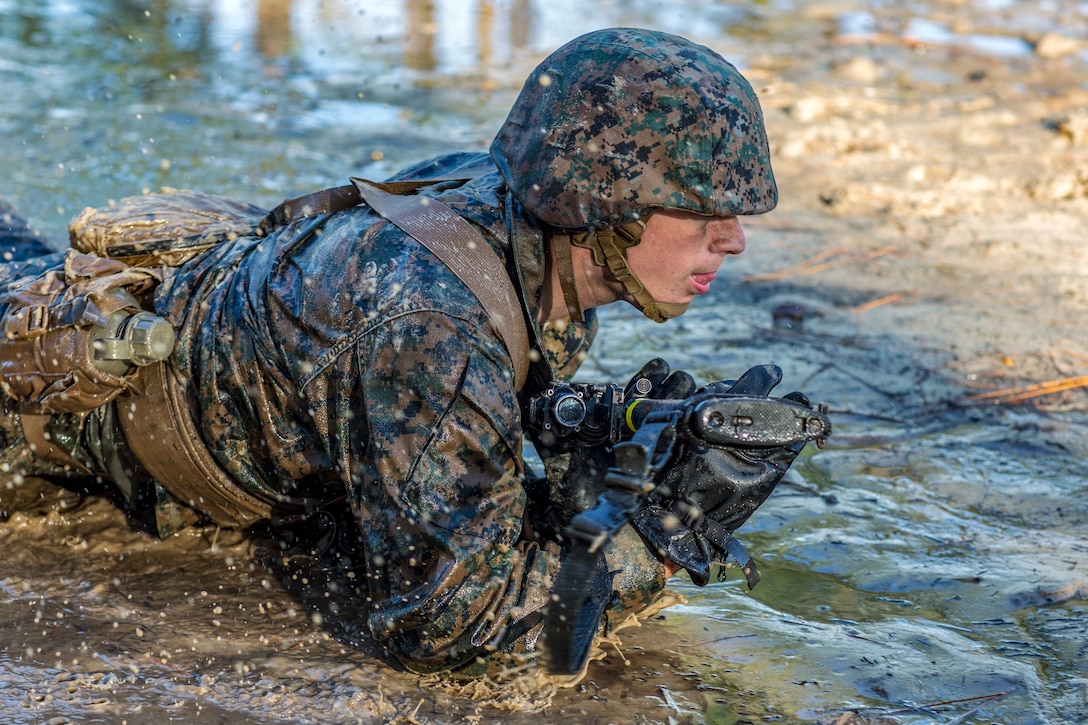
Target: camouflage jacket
[{"x": 340, "y": 354}]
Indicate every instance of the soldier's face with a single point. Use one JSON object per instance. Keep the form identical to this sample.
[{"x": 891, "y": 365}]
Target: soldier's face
[{"x": 680, "y": 252}]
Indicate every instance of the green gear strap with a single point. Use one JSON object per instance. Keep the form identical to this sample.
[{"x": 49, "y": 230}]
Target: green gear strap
[
  {"x": 609, "y": 247},
  {"x": 564, "y": 268}
]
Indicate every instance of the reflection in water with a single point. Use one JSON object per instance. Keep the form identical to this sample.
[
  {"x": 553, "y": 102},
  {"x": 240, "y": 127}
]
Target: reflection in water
[
  {"x": 521, "y": 19},
  {"x": 273, "y": 27},
  {"x": 432, "y": 36},
  {"x": 485, "y": 22},
  {"x": 419, "y": 36}
]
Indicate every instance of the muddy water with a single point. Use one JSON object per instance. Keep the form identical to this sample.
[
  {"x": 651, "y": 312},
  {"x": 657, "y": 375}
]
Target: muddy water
[{"x": 929, "y": 565}]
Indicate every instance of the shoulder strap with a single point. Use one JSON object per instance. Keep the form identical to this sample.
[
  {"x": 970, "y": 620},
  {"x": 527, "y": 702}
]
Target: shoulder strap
[
  {"x": 451, "y": 238},
  {"x": 462, "y": 248}
]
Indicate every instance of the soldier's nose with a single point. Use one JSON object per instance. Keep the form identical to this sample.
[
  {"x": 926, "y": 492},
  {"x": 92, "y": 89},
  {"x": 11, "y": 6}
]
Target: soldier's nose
[{"x": 727, "y": 236}]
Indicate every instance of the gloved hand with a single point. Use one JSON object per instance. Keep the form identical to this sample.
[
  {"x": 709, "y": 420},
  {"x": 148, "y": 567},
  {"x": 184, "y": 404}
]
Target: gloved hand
[
  {"x": 726, "y": 483},
  {"x": 656, "y": 380},
  {"x": 575, "y": 472}
]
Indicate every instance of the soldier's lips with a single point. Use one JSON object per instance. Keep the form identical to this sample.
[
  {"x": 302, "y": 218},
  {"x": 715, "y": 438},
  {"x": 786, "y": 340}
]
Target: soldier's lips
[{"x": 701, "y": 282}]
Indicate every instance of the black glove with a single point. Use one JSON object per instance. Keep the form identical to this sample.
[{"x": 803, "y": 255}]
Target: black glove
[
  {"x": 575, "y": 472},
  {"x": 655, "y": 380},
  {"x": 725, "y": 483}
]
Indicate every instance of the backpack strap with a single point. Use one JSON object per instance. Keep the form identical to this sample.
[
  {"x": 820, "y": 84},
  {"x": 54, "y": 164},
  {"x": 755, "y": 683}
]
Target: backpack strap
[{"x": 455, "y": 241}]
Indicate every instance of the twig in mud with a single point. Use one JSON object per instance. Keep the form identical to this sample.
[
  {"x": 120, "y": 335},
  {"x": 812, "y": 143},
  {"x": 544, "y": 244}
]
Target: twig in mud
[
  {"x": 928, "y": 708},
  {"x": 716, "y": 641},
  {"x": 816, "y": 264},
  {"x": 864, "y": 639},
  {"x": 970, "y": 713},
  {"x": 822, "y": 369},
  {"x": 872, "y": 305},
  {"x": 1026, "y": 392},
  {"x": 879, "y": 302},
  {"x": 861, "y": 379},
  {"x": 987, "y": 699},
  {"x": 1055, "y": 361},
  {"x": 848, "y": 718}
]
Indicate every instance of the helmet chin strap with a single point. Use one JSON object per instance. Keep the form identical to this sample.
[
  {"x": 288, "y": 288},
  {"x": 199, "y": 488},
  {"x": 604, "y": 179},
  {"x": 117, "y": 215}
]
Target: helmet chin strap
[
  {"x": 609, "y": 247},
  {"x": 564, "y": 267}
]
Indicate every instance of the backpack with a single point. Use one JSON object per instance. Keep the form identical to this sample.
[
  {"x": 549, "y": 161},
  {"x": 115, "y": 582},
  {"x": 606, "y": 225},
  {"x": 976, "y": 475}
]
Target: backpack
[{"x": 165, "y": 228}]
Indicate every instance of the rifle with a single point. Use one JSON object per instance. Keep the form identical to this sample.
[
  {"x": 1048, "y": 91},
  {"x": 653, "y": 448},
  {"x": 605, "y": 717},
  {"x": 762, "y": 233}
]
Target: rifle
[
  {"x": 644, "y": 433},
  {"x": 592, "y": 414}
]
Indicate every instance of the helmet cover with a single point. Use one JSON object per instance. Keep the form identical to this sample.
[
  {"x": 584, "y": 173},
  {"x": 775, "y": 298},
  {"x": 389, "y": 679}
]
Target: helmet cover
[{"x": 620, "y": 121}]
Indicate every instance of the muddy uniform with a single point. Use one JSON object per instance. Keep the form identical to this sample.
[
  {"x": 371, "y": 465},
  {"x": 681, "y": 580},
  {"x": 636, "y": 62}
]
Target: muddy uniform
[
  {"x": 340, "y": 354},
  {"x": 339, "y": 358}
]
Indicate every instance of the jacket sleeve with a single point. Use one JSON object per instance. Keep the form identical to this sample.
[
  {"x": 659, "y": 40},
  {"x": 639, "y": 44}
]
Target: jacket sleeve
[{"x": 435, "y": 476}]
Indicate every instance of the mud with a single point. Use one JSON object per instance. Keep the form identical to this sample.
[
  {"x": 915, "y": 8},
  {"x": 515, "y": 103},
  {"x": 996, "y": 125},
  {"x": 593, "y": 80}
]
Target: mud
[{"x": 928, "y": 565}]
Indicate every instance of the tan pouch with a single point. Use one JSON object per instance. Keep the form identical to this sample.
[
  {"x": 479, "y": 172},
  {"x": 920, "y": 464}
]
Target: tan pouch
[
  {"x": 61, "y": 330},
  {"x": 167, "y": 227}
]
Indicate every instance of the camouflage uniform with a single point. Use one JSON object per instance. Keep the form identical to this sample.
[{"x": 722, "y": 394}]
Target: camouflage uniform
[
  {"x": 340, "y": 356},
  {"x": 342, "y": 348}
]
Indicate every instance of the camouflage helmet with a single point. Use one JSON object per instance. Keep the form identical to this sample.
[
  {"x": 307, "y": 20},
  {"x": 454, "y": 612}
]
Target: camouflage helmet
[{"x": 620, "y": 121}]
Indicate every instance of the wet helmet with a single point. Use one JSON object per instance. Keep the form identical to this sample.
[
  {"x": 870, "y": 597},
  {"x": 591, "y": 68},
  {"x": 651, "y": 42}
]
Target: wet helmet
[{"x": 621, "y": 121}]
